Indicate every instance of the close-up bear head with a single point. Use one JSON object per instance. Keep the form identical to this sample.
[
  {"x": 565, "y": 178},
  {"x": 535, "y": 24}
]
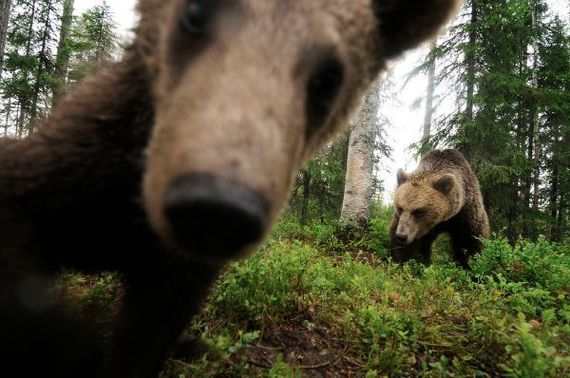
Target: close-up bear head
[{"x": 246, "y": 91}]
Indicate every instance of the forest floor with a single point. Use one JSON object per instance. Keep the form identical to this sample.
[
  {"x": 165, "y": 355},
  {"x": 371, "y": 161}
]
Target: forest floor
[{"x": 316, "y": 302}]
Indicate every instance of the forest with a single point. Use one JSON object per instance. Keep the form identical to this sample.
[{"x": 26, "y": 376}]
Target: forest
[{"x": 322, "y": 297}]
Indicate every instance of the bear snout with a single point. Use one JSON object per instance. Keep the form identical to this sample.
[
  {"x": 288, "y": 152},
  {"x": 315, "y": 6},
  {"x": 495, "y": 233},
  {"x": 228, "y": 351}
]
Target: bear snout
[
  {"x": 213, "y": 218},
  {"x": 401, "y": 238}
]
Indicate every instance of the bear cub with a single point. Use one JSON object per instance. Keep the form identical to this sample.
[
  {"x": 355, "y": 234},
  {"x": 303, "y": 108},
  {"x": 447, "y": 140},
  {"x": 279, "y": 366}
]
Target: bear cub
[{"x": 441, "y": 195}]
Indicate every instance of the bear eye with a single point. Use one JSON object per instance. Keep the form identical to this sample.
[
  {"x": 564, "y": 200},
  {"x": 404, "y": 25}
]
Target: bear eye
[
  {"x": 322, "y": 89},
  {"x": 197, "y": 16},
  {"x": 418, "y": 213},
  {"x": 399, "y": 210}
]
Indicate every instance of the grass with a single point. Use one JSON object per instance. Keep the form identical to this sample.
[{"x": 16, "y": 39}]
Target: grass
[{"x": 317, "y": 300}]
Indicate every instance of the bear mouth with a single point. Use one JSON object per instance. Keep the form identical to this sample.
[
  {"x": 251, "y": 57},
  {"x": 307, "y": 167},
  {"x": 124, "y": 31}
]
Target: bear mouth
[
  {"x": 405, "y": 242},
  {"x": 404, "y": 239}
]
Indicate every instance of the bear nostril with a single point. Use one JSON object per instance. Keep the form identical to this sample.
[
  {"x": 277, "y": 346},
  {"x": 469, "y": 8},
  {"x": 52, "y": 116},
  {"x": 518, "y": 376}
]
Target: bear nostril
[
  {"x": 401, "y": 238},
  {"x": 212, "y": 217}
]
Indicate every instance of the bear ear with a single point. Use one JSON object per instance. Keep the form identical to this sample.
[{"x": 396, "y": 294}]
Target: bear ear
[
  {"x": 406, "y": 23},
  {"x": 445, "y": 183},
  {"x": 402, "y": 177}
]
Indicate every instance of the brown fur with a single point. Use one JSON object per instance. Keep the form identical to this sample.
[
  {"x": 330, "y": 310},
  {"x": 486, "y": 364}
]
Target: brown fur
[
  {"x": 441, "y": 195},
  {"x": 87, "y": 191}
]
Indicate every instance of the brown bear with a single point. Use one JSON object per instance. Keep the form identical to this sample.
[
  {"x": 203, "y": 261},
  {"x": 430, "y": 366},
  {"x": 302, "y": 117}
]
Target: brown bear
[
  {"x": 176, "y": 159},
  {"x": 441, "y": 195}
]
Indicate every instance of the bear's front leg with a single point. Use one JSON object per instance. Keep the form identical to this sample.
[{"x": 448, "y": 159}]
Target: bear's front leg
[
  {"x": 159, "y": 302},
  {"x": 425, "y": 247},
  {"x": 465, "y": 239},
  {"x": 464, "y": 247}
]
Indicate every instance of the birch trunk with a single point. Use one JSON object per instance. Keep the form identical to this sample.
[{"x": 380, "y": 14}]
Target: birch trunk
[
  {"x": 429, "y": 99},
  {"x": 359, "y": 168},
  {"x": 5, "y": 6}
]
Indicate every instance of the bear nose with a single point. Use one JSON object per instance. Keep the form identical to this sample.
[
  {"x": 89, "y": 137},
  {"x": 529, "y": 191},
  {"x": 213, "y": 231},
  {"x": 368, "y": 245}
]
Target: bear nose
[
  {"x": 401, "y": 238},
  {"x": 212, "y": 217}
]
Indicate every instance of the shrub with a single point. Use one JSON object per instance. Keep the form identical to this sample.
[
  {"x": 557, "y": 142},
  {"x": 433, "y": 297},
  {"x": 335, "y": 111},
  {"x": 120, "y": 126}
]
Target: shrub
[
  {"x": 538, "y": 264},
  {"x": 267, "y": 286}
]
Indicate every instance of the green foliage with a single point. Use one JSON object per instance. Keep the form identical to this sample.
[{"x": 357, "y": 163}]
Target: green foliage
[
  {"x": 336, "y": 238},
  {"x": 509, "y": 314},
  {"x": 317, "y": 195},
  {"x": 380, "y": 226},
  {"x": 27, "y": 75},
  {"x": 529, "y": 356},
  {"x": 282, "y": 370},
  {"x": 222, "y": 346},
  {"x": 92, "y": 298},
  {"x": 511, "y": 120},
  {"x": 36, "y": 69},
  {"x": 318, "y": 192},
  {"x": 225, "y": 356},
  {"x": 266, "y": 286},
  {"x": 94, "y": 39},
  {"x": 540, "y": 264}
]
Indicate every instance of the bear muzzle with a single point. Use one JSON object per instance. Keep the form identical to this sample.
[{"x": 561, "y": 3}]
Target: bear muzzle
[
  {"x": 401, "y": 238},
  {"x": 213, "y": 218},
  {"x": 406, "y": 232}
]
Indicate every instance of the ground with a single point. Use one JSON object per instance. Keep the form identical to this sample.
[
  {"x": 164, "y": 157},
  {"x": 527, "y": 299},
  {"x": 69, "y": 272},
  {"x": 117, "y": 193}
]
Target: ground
[{"x": 319, "y": 302}]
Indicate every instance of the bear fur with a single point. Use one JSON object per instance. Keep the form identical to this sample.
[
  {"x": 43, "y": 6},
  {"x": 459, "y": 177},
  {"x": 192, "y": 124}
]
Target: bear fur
[
  {"x": 231, "y": 106},
  {"x": 441, "y": 196}
]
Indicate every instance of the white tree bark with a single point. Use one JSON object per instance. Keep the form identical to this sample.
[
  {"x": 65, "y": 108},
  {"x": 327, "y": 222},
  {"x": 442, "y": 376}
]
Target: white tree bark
[
  {"x": 4, "y": 18},
  {"x": 429, "y": 99},
  {"x": 358, "y": 188}
]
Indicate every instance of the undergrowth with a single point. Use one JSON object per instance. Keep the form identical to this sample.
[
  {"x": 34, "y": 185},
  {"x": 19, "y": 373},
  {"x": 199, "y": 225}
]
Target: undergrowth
[{"x": 507, "y": 316}]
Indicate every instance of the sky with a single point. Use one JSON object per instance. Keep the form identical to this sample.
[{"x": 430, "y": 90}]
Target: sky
[
  {"x": 406, "y": 123},
  {"x": 123, "y": 11}
]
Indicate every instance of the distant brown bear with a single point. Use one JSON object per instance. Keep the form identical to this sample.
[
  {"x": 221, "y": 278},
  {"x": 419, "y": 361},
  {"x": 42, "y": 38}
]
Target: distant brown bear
[
  {"x": 441, "y": 195},
  {"x": 177, "y": 159}
]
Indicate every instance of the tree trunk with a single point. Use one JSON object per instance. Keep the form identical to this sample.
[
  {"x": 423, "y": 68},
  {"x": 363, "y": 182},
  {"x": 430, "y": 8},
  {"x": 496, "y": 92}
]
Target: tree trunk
[
  {"x": 306, "y": 196},
  {"x": 41, "y": 69},
  {"x": 470, "y": 58},
  {"x": 470, "y": 61},
  {"x": 429, "y": 99},
  {"x": 554, "y": 200},
  {"x": 561, "y": 223},
  {"x": 5, "y": 7},
  {"x": 19, "y": 124},
  {"x": 24, "y": 99},
  {"x": 62, "y": 58},
  {"x": 535, "y": 121},
  {"x": 8, "y": 111},
  {"x": 358, "y": 188}
]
